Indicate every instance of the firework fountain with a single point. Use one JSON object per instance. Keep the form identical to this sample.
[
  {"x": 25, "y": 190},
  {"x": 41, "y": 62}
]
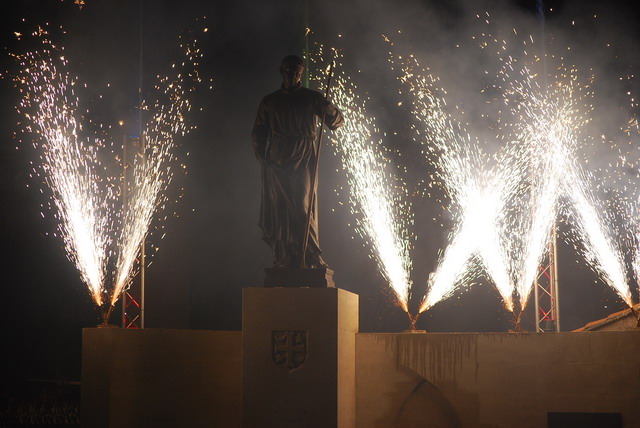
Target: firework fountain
[
  {"x": 375, "y": 196},
  {"x": 544, "y": 123},
  {"x": 505, "y": 205},
  {"x": 552, "y": 116},
  {"x": 479, "y": 194},
  {"x": 553, "y": 123},
  {"x": 101, "y": 237},
  {"x": 619, "y": 180}
]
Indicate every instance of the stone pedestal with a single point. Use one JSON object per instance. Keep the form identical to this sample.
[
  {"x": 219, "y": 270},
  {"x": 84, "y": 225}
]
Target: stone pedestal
[{"x": 298, "y": 357}]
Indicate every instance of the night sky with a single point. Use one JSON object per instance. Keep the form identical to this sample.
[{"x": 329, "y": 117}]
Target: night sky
[{"x": 213, "y": 247}]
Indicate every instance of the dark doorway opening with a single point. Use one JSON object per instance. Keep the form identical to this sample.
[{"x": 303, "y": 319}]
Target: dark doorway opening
[{"x": 584, "y": 420}]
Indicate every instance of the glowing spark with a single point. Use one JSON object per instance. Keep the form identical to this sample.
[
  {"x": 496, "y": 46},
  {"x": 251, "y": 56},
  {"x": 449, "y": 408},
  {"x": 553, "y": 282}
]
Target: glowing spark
[
  {"x": 599, "y": 249},
  {"x": 543, "y": 125},
  {"x": 549, "y": 122},
  {"x": 448, "y": 150},
  {"x": 93, "y": 225},
  {"x": 478, "y": 194},
  {"x": 70, "y": 164},
  {"x": 153, "y": 173},
  {"x": 382, "y": 215},
  {"x": 504, "y": 215}
]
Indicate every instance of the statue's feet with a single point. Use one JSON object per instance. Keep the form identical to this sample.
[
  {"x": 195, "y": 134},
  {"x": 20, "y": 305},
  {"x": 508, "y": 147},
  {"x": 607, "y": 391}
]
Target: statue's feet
[
  {"x": 282, "y": 263},
  {"x": 315, "y": 261}
]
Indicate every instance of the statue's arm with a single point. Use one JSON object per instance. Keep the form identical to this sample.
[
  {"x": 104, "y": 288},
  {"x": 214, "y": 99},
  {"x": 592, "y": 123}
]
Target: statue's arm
[
  {"x": 332, "y": 116},
  {"x": 260, "y": 132}
]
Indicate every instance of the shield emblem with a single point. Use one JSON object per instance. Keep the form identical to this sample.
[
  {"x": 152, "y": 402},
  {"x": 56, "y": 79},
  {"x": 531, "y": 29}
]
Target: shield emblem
[{"x": 289, "y": 348}]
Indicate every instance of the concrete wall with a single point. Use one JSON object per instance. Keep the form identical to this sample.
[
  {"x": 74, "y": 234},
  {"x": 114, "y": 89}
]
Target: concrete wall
[
  {"x": 390, "y": 394},
  {"x": 495, "y": 380},
  {"x": 160, "y": 378},
  {"x": 192, "y": 378}
]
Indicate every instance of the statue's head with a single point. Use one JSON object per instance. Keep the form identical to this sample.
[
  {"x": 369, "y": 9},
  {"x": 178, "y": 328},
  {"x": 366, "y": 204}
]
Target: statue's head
[{"x": 292, "y": 70}]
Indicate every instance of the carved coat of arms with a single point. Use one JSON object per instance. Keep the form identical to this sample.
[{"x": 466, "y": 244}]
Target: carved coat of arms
[{"x": 289, "y": 348}]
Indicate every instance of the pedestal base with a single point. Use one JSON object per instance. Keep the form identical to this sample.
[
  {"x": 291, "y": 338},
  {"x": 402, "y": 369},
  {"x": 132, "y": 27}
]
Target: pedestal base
[
  {"x": 298, "y": 357},
  {"x": 298, "y": 277}
]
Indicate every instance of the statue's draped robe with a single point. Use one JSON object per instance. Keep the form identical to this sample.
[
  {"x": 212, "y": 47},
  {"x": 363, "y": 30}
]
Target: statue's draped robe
[{"x": 284, "y": 138}]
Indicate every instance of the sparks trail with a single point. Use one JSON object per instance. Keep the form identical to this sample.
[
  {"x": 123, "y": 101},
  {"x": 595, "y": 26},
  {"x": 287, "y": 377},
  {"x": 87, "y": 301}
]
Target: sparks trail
[
  {"x": 101, "y": 237},
  {"x": 69, "y": 162},
  {"x": 153, "y": 170},
  {"x": 551, "y": 113},
  {"x": 599, "y": 249},
  {"x": 543, "y": 124},
  {"x": 553, "y": 121},
  {"x": 375, "y": 197},
  {"x": 479, "y": 193},
  {"x": 505, "y": 207},
  {"x": 618, "y": 182}
]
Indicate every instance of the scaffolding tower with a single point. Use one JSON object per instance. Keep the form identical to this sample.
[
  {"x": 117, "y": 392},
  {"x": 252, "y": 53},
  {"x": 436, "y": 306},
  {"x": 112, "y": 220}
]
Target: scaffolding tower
[
  {"x": 546, "y": 283},
  {"x": 546, "y": 291}
]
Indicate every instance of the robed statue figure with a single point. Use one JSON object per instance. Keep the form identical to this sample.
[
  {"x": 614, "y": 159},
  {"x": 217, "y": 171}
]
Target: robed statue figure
[{"x": 285, "y": 135}]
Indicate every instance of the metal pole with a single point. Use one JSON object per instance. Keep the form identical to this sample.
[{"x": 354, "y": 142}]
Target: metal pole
[
  {"x": 554, "y": 276},
  {"x": 142, "y": 147},
  {"x": 537, "y": 299},
  {"x": 314, "y": 177},
  {"x": 125, "y": 191},
  {"x": 306, "y": 42},
  {"x": 552, "y": 262},
  {"x": 143, "y": 260}
]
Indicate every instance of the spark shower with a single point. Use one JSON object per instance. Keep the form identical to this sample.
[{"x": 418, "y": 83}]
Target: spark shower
[
  {"x": 504, "y": 204},
  {"x": 101, "y": 234}
]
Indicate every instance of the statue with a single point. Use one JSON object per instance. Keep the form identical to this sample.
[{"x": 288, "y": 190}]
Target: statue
[{"x": 285, "y": 139}]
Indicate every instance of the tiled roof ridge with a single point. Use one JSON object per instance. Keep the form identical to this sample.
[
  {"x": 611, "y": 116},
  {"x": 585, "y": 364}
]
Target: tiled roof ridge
[{"x": 609, "y": 319}]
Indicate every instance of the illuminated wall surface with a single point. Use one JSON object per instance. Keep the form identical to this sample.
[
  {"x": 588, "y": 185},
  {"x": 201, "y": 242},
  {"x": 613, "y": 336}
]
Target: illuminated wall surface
[{"x": 192, "y": 378}]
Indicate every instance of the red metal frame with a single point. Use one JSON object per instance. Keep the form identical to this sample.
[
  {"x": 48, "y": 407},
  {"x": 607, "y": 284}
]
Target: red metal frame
[{"x": 546, "y": 291}]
